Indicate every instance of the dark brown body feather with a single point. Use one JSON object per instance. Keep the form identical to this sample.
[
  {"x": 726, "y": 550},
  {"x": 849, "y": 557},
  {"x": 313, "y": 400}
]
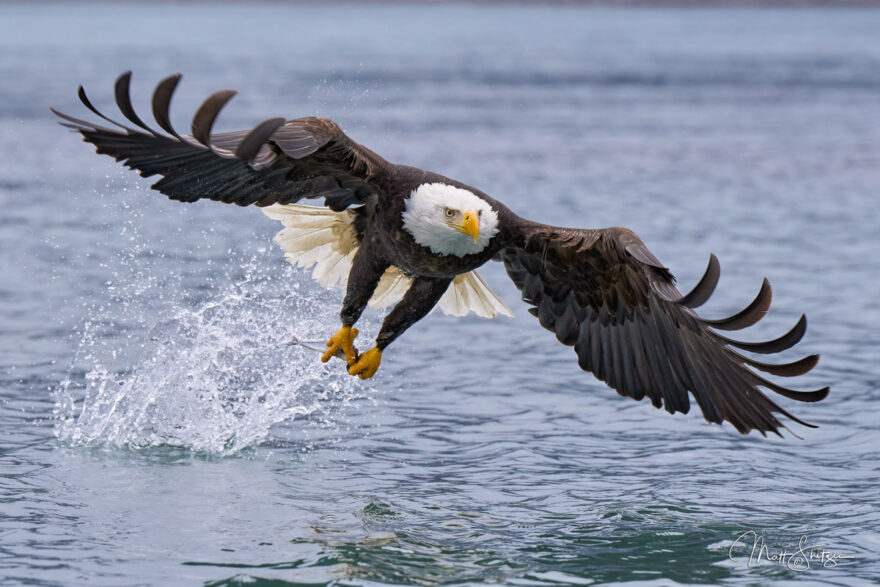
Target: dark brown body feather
[{"x": 600, "y": 291}]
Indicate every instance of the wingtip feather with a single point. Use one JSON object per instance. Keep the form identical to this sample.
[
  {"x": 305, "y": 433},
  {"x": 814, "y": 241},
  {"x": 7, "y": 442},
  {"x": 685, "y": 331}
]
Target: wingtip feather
[
  {"x": 706, "y": 286},
  {"x": 207, "y": 114},
  {"x": 161, "y": 103}
]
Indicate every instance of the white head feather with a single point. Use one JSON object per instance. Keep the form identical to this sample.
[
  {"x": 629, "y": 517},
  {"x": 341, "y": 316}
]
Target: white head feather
[{"x": 425, "y": 219}]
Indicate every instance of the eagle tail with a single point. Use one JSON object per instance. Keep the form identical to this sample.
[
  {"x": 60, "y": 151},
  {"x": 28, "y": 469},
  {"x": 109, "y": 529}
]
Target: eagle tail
[{"x": 469, "y": 293}]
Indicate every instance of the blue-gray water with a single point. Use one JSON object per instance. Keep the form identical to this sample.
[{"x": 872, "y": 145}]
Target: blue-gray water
[{"x": 207, "y": 452}]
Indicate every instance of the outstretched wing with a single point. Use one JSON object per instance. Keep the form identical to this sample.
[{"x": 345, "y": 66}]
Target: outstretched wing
[
  {"x": 278, "y": 161},
  {"x": 603, "y": 292}
]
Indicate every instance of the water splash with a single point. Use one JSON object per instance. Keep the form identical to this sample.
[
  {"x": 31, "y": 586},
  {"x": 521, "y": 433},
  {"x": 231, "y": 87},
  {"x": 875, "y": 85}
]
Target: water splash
[{"x": 213, "y": 377}]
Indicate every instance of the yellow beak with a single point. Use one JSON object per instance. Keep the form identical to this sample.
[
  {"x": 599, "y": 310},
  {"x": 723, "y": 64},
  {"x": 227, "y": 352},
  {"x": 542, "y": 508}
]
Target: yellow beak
[{"x": 470, "y": 225}]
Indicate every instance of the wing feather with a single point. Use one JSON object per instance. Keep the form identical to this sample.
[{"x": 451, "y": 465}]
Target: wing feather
[
  {"x": 123, "y": 99},
  {"x": 604, "y": 292},
  {"x": 278, "y": 161}
]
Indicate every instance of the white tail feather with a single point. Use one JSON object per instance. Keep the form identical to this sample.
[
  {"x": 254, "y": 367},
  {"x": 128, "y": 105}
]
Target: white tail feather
[
  {"x": 319, "y": 237},
  {"x": 469, "y": 293},
  {"x": 327, "y": 240},
  {"x": 391, "y": 288}
]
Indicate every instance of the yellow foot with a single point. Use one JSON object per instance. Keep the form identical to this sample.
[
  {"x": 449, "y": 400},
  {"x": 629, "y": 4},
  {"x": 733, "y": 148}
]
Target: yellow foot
[
  {"x": 343, "y": 339},
  {"x": 367, "y": 364}
]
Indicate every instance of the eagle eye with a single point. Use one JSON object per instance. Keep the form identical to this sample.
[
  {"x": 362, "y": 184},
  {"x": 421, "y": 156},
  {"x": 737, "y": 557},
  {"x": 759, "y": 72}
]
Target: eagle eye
[{"x": 450, "y": 212}]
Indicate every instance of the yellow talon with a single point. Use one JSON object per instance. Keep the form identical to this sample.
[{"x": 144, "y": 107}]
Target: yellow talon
[
  {"x": 343, "y": 339},
  {"x": 367, "y": 364}
]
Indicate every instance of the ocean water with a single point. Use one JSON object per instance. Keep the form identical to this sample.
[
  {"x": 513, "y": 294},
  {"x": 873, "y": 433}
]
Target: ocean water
[{"x": 156, "y": 430}]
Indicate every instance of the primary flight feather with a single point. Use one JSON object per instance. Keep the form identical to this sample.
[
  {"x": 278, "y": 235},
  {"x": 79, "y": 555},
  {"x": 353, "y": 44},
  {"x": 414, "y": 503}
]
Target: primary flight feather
[{"x": 400, "y": 235}]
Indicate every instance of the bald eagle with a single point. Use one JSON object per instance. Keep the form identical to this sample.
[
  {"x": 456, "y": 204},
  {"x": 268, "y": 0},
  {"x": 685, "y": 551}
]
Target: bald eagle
[{"x": 413, "y": 238}]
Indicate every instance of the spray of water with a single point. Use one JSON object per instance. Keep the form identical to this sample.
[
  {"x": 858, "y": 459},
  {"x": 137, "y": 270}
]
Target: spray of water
[{"x": 213, "y": 377}]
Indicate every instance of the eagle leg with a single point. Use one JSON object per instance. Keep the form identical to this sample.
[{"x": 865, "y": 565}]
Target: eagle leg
[
  {"x": 366, "y": 270},
  {"x": 422, "y": 295},
  {"x": 344, "y": 340},
  {"x": 367, "y": 364}
]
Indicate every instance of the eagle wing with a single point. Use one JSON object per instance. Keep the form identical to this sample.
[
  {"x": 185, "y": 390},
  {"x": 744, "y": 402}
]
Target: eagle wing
[
  {"x": 603, "y": 292},
  {"x": 279, "y": 161}
]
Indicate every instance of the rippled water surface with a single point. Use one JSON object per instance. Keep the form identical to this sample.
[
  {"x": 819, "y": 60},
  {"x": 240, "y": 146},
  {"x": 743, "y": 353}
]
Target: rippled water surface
[{"x": 154, "y": 428}]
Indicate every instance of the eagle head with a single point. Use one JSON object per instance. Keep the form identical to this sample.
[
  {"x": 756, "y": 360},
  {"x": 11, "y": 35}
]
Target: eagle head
[{"x": 449, "y": 220}]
